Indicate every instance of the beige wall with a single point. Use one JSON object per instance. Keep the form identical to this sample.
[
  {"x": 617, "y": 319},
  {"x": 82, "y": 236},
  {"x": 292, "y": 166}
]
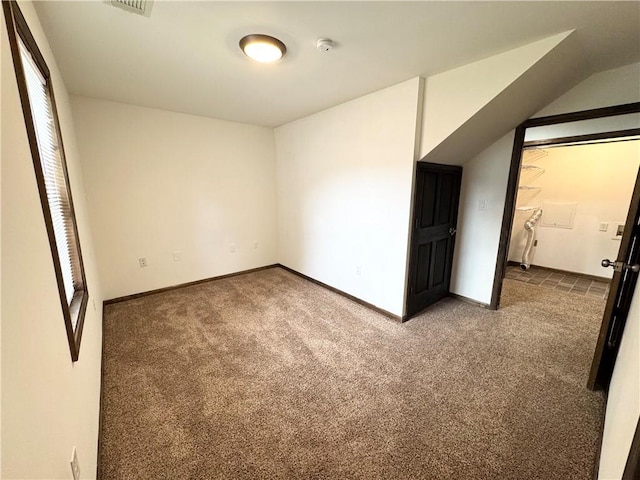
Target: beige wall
[
  {"x": 160, "y": 182},
  {"x": 49, "y": 404},
  {"x": 599, "y": 178},
  {"x": 344, "y": 194}
]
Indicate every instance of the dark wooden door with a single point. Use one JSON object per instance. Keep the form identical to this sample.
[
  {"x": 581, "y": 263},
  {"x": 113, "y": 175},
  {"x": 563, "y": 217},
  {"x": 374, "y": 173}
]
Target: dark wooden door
[
  {"x": 626, "y": 271},
  {"x": 435, "y": 213}
]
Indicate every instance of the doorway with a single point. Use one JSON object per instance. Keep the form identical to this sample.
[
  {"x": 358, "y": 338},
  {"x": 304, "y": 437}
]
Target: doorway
[
  {"x": 571, "y": 208},
  {"x": 586, "y": 127}
]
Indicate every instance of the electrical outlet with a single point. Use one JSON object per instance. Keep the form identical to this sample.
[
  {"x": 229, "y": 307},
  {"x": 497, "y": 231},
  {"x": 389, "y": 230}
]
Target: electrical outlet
[
  {"x": 233, "y": 248},
  {"x": 143, "y": 262},
  {"x": 255, "y": 244},
  {"x": 75, "y": 465},
  {"x": 177, "y": 256}
]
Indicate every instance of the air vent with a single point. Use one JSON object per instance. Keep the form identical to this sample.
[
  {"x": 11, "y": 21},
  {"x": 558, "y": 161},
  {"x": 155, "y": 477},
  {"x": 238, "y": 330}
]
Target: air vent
[{"x": 141, "y": 7}]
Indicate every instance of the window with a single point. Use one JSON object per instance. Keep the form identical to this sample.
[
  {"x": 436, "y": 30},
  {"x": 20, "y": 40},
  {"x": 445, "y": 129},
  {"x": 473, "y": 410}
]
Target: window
[{"x": 45, "y": 140}]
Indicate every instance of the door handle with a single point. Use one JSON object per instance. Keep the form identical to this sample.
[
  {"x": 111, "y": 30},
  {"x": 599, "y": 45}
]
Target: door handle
[
  {"x": 619, "y": 266},
  {"x": 452, "y": 231}
]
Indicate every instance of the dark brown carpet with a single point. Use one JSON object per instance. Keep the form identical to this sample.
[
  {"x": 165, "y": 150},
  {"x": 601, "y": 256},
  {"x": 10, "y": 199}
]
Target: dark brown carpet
[{"x": 266, "y": 375}]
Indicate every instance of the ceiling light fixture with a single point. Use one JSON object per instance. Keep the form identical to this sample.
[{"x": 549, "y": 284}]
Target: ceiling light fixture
[{"x": 262, "y": 48}]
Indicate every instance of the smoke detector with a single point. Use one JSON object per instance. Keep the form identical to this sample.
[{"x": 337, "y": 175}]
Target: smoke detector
[
  {"x": 141, "y": 7},
  {"x": 324, "y": 45}
]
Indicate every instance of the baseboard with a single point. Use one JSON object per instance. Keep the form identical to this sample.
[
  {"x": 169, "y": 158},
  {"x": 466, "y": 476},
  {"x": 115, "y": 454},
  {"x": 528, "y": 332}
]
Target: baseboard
[
  {"x": 357, "y": 300},
  {"x": 243, "y": 272},
  {"x": 566, "y": 272},
  {"x": 187, "y": 284},
  {"x": 469, "y": 300}
]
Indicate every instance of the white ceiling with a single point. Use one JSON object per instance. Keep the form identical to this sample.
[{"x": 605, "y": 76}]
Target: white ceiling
[{"x": 185, "y": 56}]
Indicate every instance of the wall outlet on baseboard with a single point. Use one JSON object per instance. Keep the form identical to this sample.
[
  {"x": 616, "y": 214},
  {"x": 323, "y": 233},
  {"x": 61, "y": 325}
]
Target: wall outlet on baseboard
[
  {"x": 142, "y": 261},
  {"x": 75, "y": 465}
]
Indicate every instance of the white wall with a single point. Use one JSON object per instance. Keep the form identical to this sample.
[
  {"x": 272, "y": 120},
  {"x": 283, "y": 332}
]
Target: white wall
[
  {"x": 599, "y": 178},
  {"x": 160, "y": 182},
  {"x": 611, "y": 87},
  {"x": 344, "y": 194},
  {"x": 479, "y": 264},
  {"x": 453, "y": 97},
  {"x": 3, "y": 51},
  {"x": 484, "y": 178},
  {"x": 49, "y": 404},
  {"x": 623, "y": 401}
]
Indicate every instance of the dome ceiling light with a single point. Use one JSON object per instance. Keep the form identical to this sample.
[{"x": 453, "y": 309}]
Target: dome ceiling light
[{"x": 262, "y": 48}]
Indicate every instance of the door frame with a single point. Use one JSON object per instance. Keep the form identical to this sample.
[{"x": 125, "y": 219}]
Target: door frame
[
  {"x": 633, "y": 460},
  {"x": 514, "y": 172}
]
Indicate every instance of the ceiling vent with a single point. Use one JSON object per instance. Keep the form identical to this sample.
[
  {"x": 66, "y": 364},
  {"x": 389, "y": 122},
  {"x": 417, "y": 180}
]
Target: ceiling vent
[{"x": 141, "y": 7}]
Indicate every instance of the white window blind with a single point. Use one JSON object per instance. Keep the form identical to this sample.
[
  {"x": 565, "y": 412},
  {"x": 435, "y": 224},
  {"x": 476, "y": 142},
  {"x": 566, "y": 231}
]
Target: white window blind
[{"x": 54, "y": 175}]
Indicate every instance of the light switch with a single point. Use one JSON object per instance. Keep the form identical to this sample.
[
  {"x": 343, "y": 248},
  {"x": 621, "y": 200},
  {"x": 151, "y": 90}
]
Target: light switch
[{"x": 604, "y": 226}]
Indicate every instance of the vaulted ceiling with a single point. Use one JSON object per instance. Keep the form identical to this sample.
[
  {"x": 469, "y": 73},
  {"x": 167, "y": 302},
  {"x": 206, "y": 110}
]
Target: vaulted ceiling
[{"x": 185, "y": 56}]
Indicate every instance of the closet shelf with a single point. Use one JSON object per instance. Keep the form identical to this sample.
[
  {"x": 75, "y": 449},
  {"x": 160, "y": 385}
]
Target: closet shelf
[
  {"x": 529, "y": 166},
  {"x": 526, "y": 208},
  {"x": 527, "y": 187}
]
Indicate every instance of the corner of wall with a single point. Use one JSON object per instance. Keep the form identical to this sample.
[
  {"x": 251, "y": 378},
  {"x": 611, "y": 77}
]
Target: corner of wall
[{"x": 344, "y": 193}]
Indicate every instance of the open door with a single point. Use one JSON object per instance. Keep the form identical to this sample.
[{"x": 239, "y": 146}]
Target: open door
[
  {"x": 626, "y": 268},
  {"x": 435, "y": 213}
]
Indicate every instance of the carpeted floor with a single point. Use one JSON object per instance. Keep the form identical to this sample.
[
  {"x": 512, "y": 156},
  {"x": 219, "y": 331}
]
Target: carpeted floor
[{"x": 266, "y": 375}]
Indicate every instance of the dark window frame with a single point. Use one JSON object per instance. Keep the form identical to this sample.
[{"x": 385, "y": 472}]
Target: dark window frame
[{"x": 76, "y": 310}]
